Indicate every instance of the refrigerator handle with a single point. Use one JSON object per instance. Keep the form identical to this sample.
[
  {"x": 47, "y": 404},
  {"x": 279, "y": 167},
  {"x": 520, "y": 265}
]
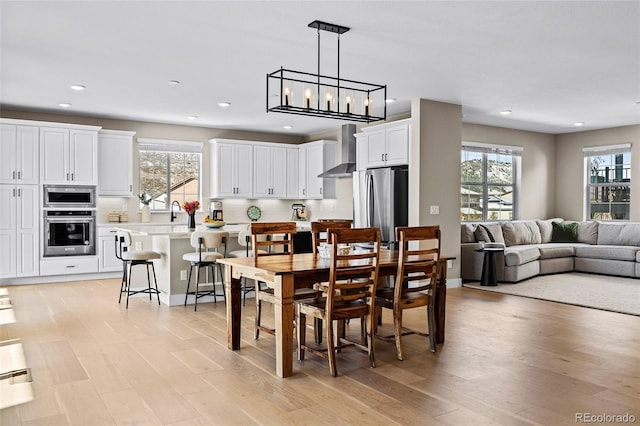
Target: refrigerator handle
[{"x": 369, "y": 203}]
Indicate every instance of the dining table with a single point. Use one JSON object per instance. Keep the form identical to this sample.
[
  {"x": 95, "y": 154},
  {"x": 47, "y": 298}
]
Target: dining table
[{"x": 285, "y": 274}]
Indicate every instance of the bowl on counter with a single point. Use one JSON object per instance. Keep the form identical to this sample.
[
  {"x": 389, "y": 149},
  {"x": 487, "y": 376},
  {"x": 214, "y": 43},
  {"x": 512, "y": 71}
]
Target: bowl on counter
[{"x": 212, "y": 225}]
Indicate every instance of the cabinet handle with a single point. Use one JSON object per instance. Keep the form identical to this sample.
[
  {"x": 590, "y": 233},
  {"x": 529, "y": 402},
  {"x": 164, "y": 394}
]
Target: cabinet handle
[
  {"x": 70, "y": 266},
  {"x": 130, "y": 187},
  {"x": 382, "y": 157},
  {"x": 14, "y": 192},
  {"x": 386, "y": 157},
  {"x": 19, "y": 175},
  {"x": 19, "y": 192},
  {"x": 67, "y": 176},
  {"x": 73, "y": 176},
  {"x": 304, "y": 191},
  {"x": 320, "y": 190},
  {"x": 14, "y": 175}
]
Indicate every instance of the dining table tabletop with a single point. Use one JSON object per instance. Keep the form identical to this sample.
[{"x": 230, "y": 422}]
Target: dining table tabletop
[{"x": 285, "y": 274}]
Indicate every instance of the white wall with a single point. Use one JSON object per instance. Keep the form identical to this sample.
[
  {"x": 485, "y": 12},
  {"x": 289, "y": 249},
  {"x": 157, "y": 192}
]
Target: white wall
[{"x": 570, "y": 182}]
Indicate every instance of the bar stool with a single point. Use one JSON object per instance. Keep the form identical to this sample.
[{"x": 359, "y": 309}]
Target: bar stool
[
  {"x": 203, "y": 241},
  {"x": 244, "y": 240},
  {"x": 131, "y": 258}
]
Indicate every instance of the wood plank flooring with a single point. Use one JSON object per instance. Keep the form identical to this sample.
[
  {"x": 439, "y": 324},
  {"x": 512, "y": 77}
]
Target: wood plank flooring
[{"x": 506, "y": 361}]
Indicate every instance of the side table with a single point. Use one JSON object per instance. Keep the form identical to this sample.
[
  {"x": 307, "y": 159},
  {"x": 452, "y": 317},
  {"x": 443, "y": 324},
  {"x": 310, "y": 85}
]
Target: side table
[{"x": 489, "y": 275}]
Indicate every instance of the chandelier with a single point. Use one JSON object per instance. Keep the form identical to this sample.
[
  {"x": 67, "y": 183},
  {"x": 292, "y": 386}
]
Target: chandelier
[{"x": 318, "y": 95}]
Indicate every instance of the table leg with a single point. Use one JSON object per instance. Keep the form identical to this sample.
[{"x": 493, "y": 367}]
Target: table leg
[
  {"x": 489, "y": 274},
  {"x": 441, "y": 300},
  {"x": 234, "y": 308},
  {"x": 283, "y": 310}
]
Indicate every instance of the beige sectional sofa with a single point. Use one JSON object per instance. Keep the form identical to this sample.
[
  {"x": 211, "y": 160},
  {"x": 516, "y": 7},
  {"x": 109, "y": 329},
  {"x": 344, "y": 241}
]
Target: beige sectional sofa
[{"x": 610, "y": 248}]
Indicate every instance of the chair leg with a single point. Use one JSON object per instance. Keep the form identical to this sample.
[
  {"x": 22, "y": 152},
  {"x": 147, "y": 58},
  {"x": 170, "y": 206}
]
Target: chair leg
[
  {"x": 317, "y": 330},
  {"x": 148, "y": 280},
  {"x": 123, "y": 284},
  {"x": 432, "y": 328},
  {"x": 370, "y": 340},
  {"x": 129, "y": 283},
  {"x": 186, "y": 295},
  {"x": 397, "y": 330},
  {"x": 256, "y": 332},
  {"x": 195, "y": 307},
  {"x": 331, "y": 349},
  {"x": 224, "y": 290},
  {"x": 155, "y": 281},
  {"x": 301, "y": 320}
]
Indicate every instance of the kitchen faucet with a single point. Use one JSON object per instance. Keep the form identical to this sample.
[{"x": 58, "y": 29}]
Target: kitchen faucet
[{"x": 173, "y": 215}]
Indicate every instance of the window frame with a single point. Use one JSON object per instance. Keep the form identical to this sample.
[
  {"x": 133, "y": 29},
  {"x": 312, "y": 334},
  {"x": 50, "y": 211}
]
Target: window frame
[
  {"x": 598, "y": 151},
  {"x": 169, "y": 147},
  {"x": 516, "y": 161}
]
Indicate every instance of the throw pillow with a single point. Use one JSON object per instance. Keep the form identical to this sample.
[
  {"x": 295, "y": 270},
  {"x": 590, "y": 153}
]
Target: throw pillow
[
  {"x": 482, "y": 233},
  {"x": 565, "y": 232}
]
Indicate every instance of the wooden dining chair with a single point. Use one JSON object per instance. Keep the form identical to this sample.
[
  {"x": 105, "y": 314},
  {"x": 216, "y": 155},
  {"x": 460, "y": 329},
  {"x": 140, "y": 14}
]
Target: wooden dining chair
[
  {"x": 350, "y": 294},
  {"x": 273, "y": 239},
  {"x": 416, "y": 282},
  {"x": 319, "y": 231},
  {"x": 244, "y": 241}
]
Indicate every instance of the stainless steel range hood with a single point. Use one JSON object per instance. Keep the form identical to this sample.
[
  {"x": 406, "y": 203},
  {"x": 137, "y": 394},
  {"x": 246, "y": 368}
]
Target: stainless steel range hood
[{"x": 348, "y": 165}]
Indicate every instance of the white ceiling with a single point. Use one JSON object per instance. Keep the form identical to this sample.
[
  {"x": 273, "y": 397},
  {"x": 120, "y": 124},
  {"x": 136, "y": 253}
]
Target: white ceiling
[{"x": 552, "y": 63}]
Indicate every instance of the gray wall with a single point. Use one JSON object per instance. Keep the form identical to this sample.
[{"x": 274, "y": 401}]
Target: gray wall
[{"x": 570, "y": 181}]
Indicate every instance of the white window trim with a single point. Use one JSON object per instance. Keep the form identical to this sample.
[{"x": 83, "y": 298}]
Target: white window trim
[
  {"x": 168, "y": 145},
  {"x": 591, "y": 151}
]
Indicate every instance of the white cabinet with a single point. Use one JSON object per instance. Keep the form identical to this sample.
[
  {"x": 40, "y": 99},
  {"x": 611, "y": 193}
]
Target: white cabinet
[
  {"x": 107, "y": 260},
  {"x": 231, "y": 168},
  {"x": 293, "y": 172},
  {"x": 67, "y": 265},
  {"x": 315, "y": 158},
  {"x": 269, "y": 171},
  {"x": 383, "y": 145},
  {"x": 115, "y": 164},
  {"x": 69, "y": 156},
  {"x": 19, "y": 231},
  {"x": 19, "y": 154}
]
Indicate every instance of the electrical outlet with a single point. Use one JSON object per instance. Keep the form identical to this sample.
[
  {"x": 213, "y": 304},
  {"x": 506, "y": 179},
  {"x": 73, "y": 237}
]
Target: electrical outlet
[
  {"x": 449, "y": 264},
  {"x": 434, "y": 209},
  {"x": 183, "y": 275}
]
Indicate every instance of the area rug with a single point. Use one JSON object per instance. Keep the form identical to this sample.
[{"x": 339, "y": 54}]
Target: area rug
[{"x": 589, "y": 290}]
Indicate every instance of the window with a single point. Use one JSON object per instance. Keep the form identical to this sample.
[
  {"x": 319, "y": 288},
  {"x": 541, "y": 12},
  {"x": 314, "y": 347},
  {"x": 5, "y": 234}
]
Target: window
[
  {"x": 169, "y": 171},
  {"x": 608, "y": 171},
  {"x": 489, "y": 177}
]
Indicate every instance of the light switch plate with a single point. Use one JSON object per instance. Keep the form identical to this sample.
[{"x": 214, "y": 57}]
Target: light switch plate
[{"x": 434, "y": 209}]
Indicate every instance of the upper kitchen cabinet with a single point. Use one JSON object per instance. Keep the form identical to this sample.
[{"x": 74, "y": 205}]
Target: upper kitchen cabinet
[
  {"x": 19, "y": 154},
  {"x": 115, "y": 163},
  {"x": 315, "y": 158},
  {"x": 269, "y": 171},
  {"x": 383, "y": 145},
  {"x": 231, "y": 168},
  {"x": 293, "y": 172},
  {"x": 69, "y": 155}
]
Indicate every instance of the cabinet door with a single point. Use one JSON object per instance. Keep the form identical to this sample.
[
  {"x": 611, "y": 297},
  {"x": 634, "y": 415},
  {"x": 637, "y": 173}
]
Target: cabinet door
[
  {"x": 244, "y": 170},
  {"x": 223, "y": 182},
  {"x": 108, "y": 262},
  {"x": 262, "y": 172},
  {"x": 315, "y": 166},
  {"x": 293, "y": 173},
  {"x": 83, "y": 155},
  {"x": 362, "y": 152},
  {"x": 28, "y": 238},
  {"x": 302, "y": 171},
  {"x": 278, "y": 172},
  {"x": 8, "y": 153},
  {"x": 115, "y": 164},
  {"x": 54, "y": 151},
  {"x": 397, "y": 145},
  {"x": 8, "y": 234},
  {"x": 376, "y": 149}
]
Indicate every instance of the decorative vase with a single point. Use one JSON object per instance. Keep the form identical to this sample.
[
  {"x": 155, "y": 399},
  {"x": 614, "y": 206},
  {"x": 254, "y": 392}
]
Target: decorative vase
[
  {"x": 145, "y": 215},
  {"x": 191, "y": 224}
]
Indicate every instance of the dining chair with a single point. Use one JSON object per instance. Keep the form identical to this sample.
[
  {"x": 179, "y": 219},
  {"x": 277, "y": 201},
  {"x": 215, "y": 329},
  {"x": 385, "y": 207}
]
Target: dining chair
[
  {"x": 350, "y": 294},
  {"x": 204, "y": 242},
  {"x": 131, "y": 258},
  {"x": 244, "y": 241},
  {"x": 416, "y": 282},
  {"x": 273, "y": 239},
  {"x": 319, "y": 231}
]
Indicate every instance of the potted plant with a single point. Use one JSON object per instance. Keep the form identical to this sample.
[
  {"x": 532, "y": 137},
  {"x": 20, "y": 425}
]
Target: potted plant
[{"x": 145, "y": 198}]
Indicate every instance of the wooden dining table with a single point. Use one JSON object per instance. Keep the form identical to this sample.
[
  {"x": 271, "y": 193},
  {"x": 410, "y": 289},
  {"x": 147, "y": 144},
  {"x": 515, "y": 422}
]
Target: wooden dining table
[{"x": 286, "y": 273}]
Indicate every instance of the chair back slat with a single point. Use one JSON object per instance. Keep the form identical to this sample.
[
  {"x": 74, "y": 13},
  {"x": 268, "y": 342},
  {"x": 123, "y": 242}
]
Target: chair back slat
[{"x": 319, "y": 231}]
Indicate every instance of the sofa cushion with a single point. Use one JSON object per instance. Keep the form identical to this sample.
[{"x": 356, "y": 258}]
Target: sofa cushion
[
  {"x": 564, "y": 232},
  {"x": 554, "y": 250},
  {"x": 496, "y": 230},
  {"x": 466, "y": 233},
  {"x": 588, "y": 232},
  {"x": 519, "y": 255},
  {"x": 608, "y": 252},
  {"x": 521, "y": 232},
  {"x": 482, "y": 233},
  {"x": 620, "y": 234},
  {"x": 546, "y": 228}
]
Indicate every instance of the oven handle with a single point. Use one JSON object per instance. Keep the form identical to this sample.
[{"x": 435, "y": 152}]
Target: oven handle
[{"x": 61, "y": 220}]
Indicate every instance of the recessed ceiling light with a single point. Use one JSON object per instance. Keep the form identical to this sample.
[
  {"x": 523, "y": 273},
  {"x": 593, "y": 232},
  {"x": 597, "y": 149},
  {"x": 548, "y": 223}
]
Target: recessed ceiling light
[
  {"x": 390, "y": 100},
  {"x": 64, "y": 105},
  {"x": 505, "y": 112},
  {"x": 224, "y": 104},
  {"x": 192, "y": 117},
  {"x": 174, "y": 82},
  {"x": 78, "y": 87},
  {"x": 578, "y": 123},
  {"x": 287, "y": 126}
]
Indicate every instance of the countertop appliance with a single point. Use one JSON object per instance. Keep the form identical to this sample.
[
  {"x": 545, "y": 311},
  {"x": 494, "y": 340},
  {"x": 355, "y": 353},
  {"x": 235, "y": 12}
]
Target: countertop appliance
[
  {"x": 216, "y": 210},
  {"x": 381, "y": 198},
  {"x": 69, "y": 196}
]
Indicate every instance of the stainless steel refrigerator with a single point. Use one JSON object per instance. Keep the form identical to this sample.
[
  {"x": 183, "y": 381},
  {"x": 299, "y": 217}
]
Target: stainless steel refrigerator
[{"x": 381, "y": 198}]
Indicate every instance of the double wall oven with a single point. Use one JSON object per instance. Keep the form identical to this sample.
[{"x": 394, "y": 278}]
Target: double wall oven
[{"x": 69, "y": 220}]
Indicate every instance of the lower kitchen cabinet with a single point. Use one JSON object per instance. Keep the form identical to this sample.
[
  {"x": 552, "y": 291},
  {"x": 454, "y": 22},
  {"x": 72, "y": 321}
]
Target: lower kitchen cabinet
[
  {"x": 108, "y": 262},
  {"x": 69, "y": 265},
  {"x": 19, "y": 231}
]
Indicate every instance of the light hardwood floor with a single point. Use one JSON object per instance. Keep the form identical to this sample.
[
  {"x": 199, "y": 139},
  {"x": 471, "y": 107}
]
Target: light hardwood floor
[{"x": 506, "y": 361}]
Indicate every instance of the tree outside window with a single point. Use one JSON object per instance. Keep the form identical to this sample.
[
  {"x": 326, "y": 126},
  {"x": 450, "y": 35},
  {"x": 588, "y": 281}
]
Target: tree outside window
[{"x": 170, "y": 176}]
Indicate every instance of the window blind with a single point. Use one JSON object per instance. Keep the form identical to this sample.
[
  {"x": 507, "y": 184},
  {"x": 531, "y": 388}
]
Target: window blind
[
  {"x": 591, "y": 151},
  {"x": 491, "y": 148}
]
